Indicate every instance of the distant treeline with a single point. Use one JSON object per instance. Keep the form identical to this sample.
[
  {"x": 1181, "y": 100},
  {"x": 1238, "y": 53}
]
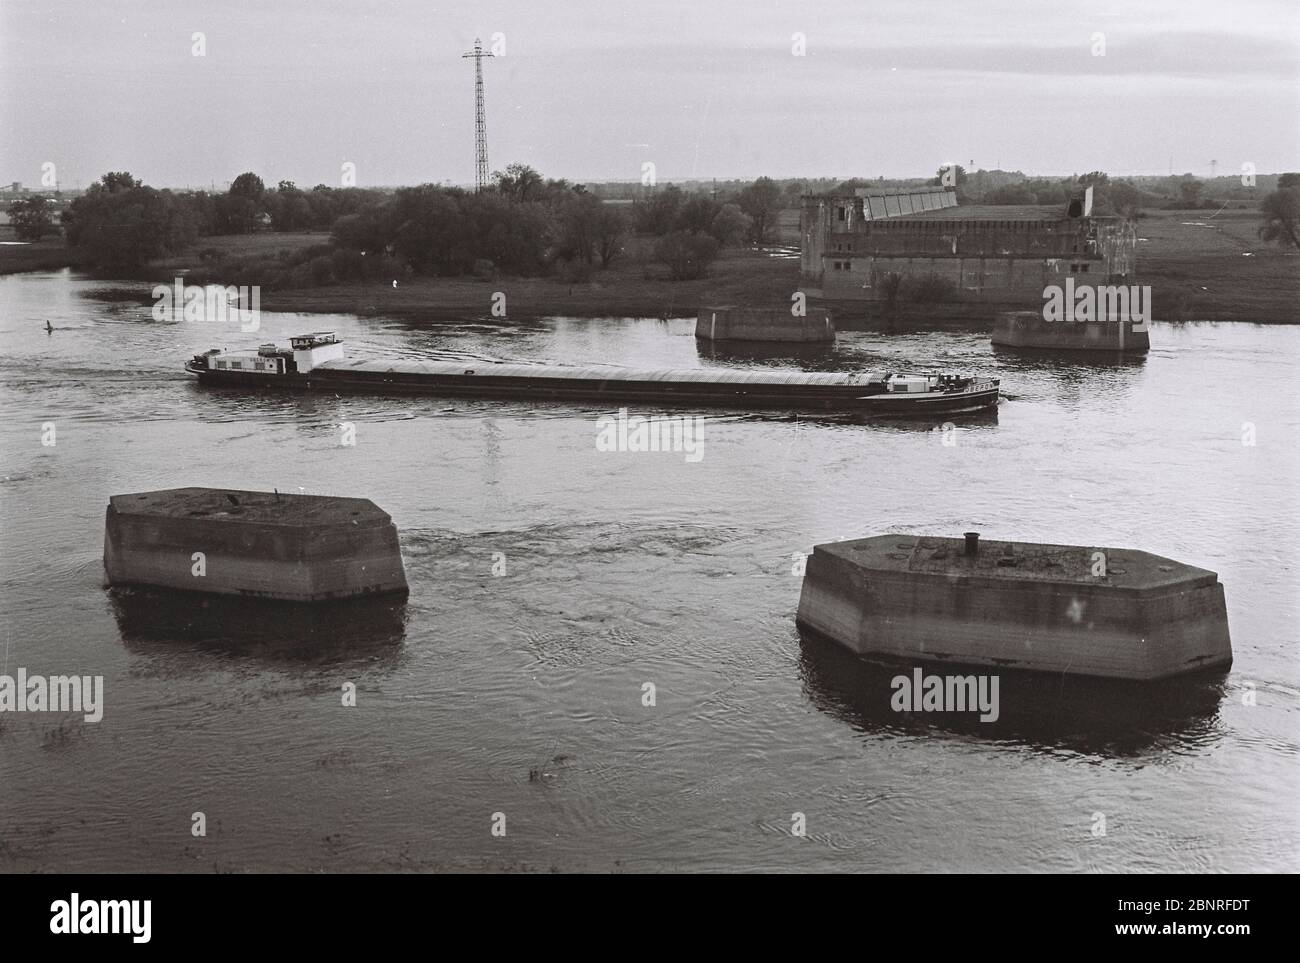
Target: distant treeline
[{"x": 524, "y": 224}]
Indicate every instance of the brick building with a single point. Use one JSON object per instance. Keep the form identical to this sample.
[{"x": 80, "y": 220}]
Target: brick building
[{"x": 869, "y": 246}]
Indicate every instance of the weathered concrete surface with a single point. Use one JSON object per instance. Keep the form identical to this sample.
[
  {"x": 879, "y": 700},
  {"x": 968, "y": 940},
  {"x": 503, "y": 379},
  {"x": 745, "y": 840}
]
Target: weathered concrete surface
[
  {"x": 851, "y": 252},
  {"x": 732, "y": 323},
  {"x": 1017, "y": 605},
  {"x": 301, "y": 548},
  {"x": 1027, "y": 329}
]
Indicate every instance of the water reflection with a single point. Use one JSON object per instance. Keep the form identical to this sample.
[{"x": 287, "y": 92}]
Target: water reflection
[
  {"x": 158, "y": 623},
  {"x": 1048, "y": 359},
  {"x": 811, "y": 356},
  {"x": 1112, "y": 718}
]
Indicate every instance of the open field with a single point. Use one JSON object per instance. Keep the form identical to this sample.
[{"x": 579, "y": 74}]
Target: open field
[{"x": 1207, "y": 266}]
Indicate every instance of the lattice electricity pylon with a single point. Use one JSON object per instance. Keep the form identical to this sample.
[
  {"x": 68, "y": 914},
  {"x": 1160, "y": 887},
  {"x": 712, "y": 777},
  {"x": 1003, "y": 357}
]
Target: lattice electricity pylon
[{"x": 480, "y": 117}]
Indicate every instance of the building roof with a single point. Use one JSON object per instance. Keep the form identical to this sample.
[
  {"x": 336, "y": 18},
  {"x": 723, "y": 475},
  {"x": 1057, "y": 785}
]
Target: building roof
[{"x": 992, "y": 212}]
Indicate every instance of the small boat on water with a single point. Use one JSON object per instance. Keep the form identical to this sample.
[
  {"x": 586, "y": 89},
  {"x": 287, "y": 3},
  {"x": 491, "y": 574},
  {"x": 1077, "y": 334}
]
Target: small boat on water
[{"x": 316, "y": 362}]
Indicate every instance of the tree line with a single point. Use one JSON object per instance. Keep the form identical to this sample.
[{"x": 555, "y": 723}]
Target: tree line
[{"x": 525, "y": 224}]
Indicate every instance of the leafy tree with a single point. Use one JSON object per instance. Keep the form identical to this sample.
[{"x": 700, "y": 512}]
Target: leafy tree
[
  {"x": 730, "y": 225},
  {"x": 122, "y": 225},
  {"x": 428, "y": 230},
  {"x": 1281, "y": 211},
  {"x": 851, "y": 185},
  {"x": 203, "y": 207},
  {"x": 1011, "y": 194},
  {"x": 31, "y": 218},
  {"x": 514, "y": 237},
  {"x": 368, "y": 231},
  {"x": 686, "y": 255},
  {"x": 578, "y": 217},
  {"x": 248, "y": 185},
  {"x": 115, "y": 181},
  {"x": 761, "y": 200},
  {"x": 519, "y": 182},
  {"x": 658, "y": 213},
  {"x": 611, "y": 232},
  {"x": 1125, "y": 199},
  {"x": 1189, "y": 193},
  {"x": 234, "y": 214},
  {"x": 238, "y": 210},
  {"x": 697, "y": 214},
  {"x": 288, "y": 207}
]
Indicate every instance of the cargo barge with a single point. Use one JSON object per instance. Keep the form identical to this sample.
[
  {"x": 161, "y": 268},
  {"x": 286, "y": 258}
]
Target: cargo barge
[{"x": 316, "y": 362}]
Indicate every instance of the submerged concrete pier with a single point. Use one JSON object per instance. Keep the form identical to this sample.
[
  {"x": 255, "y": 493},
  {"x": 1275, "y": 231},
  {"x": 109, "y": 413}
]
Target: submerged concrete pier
[
  {"x": 1028, "y": 329},
  {"x": 732, "y": 323},
  {"x": 298, "y": 548},
  {"x": 1111, "y": 612}
]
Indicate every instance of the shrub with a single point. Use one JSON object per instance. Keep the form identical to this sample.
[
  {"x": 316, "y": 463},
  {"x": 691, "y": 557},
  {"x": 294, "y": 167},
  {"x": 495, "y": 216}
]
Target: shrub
[
  {"x": 686, "y": 255},
  {"x": 930, "y": 288}
]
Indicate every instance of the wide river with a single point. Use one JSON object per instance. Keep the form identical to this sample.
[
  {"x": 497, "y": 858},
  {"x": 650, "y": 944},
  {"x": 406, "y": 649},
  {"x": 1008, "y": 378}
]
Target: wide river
[{"x": 551, "y": 581}]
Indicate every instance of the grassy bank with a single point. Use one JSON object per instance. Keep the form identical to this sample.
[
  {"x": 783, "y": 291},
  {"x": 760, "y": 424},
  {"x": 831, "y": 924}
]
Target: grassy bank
[
  {"x": 1200, "y": 265},
  {"x": 624, "y": 290},
  {"x": 1205, "y": 266},
  {"x": 630, "y": 287},
  {"x": 48, "y": 254}
]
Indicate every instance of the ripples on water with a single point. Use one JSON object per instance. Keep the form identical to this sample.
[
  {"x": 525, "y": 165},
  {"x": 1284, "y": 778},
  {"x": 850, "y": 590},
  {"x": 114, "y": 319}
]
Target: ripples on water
[{"x": 522, "y": 694}]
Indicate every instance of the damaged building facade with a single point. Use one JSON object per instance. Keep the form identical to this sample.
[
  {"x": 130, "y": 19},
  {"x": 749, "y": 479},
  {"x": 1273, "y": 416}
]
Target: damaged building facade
[{"x": 893, "y": 247}]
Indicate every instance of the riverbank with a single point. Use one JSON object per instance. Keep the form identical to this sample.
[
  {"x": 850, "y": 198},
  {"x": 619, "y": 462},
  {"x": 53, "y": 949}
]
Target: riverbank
[
  {"x": 48, "y": 254},
  {"x": 1200, "y": 266},
  {"x": 624, "y": 290},
  {"x": 1203, "y": 265}
]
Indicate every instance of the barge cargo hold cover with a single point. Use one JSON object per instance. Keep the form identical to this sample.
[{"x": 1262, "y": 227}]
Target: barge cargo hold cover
[
  {"x": 316, "y": 363},
  {"x": 296, "y": 548},
  {"x": 1111, "y": 612}
]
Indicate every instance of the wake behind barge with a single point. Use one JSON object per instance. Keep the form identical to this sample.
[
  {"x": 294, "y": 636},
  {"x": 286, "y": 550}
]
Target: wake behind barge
[{"x": 316, "y": 362}]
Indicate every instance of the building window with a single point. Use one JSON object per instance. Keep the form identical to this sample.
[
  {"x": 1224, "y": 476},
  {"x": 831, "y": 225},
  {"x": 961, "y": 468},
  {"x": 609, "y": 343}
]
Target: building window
[{"x": 840, "y": 213}]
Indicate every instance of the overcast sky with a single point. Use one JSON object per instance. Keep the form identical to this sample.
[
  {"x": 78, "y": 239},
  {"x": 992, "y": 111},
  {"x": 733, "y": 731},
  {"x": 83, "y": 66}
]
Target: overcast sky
[{"x": 592, "y": 89}]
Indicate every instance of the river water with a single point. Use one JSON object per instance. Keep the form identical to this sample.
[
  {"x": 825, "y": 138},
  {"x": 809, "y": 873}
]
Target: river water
[{"x": 521, "y": 692}]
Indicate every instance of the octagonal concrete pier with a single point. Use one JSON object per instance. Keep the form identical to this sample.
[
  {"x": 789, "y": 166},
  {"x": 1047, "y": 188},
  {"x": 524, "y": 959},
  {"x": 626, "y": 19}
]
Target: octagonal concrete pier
[
  {"x": 741, "y": 324},
  {"x": 297, "y": 548},
  {"x": 1027, "y": 330},
  {"x": 1110, "y": 612}
]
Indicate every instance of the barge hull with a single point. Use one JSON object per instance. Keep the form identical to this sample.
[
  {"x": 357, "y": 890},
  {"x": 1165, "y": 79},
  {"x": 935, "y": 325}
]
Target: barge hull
[{"x": 799, "y": 397}]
